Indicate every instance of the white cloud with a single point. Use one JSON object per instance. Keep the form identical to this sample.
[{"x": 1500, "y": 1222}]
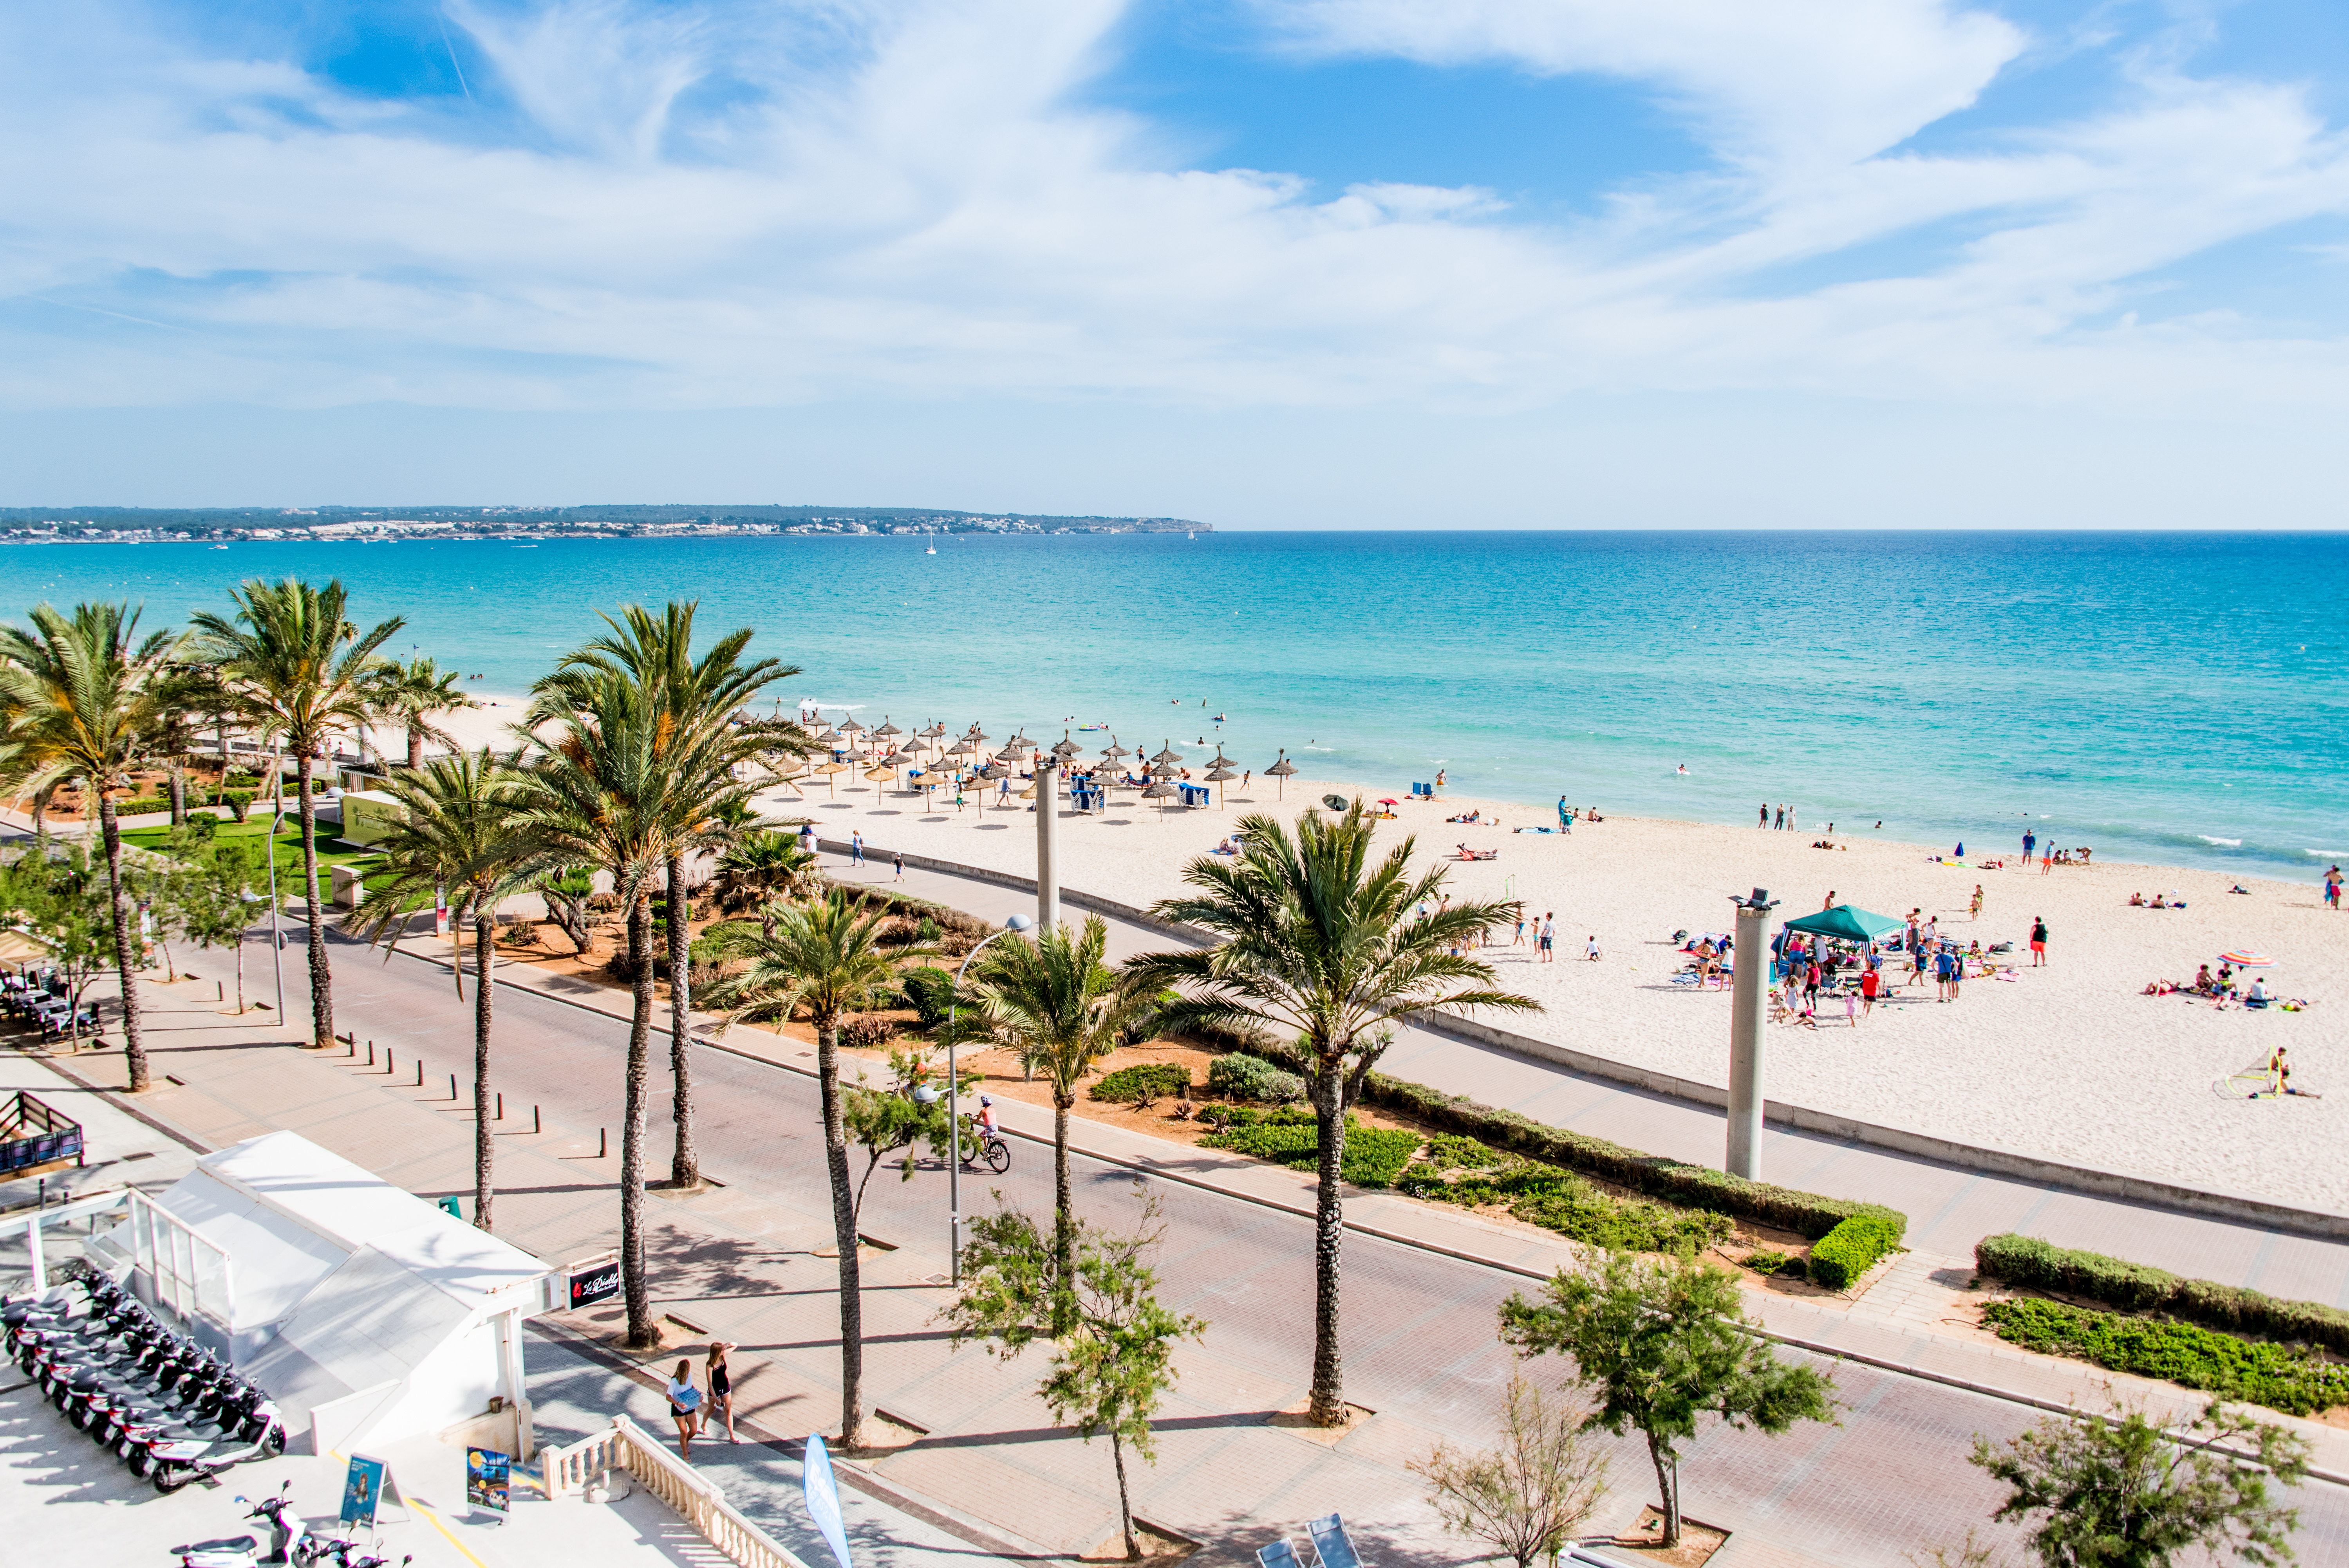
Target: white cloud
[{"x": 902, "y": 200}]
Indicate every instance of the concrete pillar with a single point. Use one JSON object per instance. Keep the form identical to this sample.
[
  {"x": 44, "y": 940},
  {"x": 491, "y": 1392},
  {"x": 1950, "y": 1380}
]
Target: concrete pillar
[
  {"x": 1048, "y": 837},
  {"x": 1746, "y": 1090}
]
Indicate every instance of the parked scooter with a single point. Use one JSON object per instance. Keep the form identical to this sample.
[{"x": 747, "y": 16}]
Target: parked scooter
[
  {"x": 287, "y": 1537},
  {"x": 173, "y": 1463}
]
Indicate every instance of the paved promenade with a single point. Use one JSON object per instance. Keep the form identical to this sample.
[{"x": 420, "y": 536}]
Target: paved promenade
[{"x": 738, "y": 1261}]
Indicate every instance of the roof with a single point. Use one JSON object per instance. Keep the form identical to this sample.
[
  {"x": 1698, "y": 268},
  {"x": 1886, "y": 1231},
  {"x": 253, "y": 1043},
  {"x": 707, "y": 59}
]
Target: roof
[
  {"x": 241, "y": 1196},
  {"x": 1851, "y": 923}
]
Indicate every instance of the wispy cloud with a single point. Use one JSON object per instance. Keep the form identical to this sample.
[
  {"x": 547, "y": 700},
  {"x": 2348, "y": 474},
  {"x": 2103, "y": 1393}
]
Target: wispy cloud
[{"x": 656, "y": 205}]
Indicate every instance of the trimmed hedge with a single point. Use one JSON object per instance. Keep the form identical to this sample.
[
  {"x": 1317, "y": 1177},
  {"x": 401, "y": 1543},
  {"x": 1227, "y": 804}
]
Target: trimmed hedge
[
  {"x": 1851, "y": 1249},
  {"x": 1251, "y": 1078},
  {"x": 1812, "y": 1214},
  {"x": 2181, "y": 1353},
  {"x": 1373, "y": 1155},
  {"x": 1143, "y": 1082},
  {"x": 1560, "y": 1200},
  {"x": 2137, "y": 1287}
]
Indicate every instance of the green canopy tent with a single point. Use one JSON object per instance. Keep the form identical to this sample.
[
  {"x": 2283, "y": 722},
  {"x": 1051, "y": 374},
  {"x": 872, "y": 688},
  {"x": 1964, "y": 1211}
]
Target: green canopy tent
[{"x": 1848, "y": 923}]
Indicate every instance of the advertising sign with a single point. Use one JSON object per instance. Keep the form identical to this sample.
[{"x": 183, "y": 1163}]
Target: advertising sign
[
  {"x": 824, "y": 1499},
  {"x": 597, "y": 1282},
  {"x": 486, "y": 1471},
  {"x": 362, "y": 1490}
]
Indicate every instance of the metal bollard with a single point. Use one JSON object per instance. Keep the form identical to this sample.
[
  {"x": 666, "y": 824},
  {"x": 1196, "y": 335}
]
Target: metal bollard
[
  {"x": 501, "y": 1106},
  {"x": 533, "y": 1119},
  {"x": 419, "y": 1072},
  {"x": 452, "y": 1088},
  {"x": 387, "y": 1061},
  {"x": 602, "y": 1147}
]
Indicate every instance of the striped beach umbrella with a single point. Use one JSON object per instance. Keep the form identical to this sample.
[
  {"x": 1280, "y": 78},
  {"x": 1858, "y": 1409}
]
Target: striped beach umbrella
[{"x": 2246, "y": 959}]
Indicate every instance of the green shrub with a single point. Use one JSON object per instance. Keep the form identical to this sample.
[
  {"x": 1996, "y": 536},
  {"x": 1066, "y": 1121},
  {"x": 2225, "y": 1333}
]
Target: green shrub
[
  {"x": 1851, "y": 1249},
  {"x": 1373, "y": 1155},
  {"x": 1812, "y": 1214},
  {"x": 1240, "y": 1077},
  {"x": 2138, "y": 1287},
  {"x": 238, "y": 801},
  {"x": 1558, "y": 1200},
  {"x": 1769, "y": 1261},
  {"x": 1143, "y": 1083},
  {"x": 929, "y": 993},
  {"x": 2182, "y": 1352}
]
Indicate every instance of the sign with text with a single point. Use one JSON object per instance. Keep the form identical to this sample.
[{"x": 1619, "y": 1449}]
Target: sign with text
[
  {"x": 362, "y": 1490},
  {"x": 595, "y": 1283}
]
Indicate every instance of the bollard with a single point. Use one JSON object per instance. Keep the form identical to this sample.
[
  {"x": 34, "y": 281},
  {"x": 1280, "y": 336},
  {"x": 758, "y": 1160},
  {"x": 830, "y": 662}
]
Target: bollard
[
  {"x": 603, "y": 1149},
  {"x": 220, "y": 991},
  {"x": 452, "y": 1088},
  {"x": 533, "y": 1119},
  {"x": 371, "y": 1053},
  {"x": 501, "y": 1106},
  {"x": 387, "y": 1061},
  {"x": 419, "y": 1072}
]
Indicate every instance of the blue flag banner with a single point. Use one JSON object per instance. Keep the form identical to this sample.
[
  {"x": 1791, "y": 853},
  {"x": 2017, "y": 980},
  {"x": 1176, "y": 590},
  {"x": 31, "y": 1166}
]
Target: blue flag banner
[{"x": 824, "y": 1499}]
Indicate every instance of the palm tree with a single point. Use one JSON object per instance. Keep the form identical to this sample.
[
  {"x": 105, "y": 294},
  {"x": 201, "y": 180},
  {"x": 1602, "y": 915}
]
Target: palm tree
[
  {"x": 827, "y": 957},
  {"x": 414, "y": 694},
  {"x": 761, "y": 866},
  {"x": 1062, "y": 1010},
  {"x": 657, "y": 652},
  {"x": 610, "y": 788},
  {"x": 1318, "y": 944},
  {"x": 84, "y": 696},
  {"x": 297, "y": 669},
  {"x": 457, "y": 834}
]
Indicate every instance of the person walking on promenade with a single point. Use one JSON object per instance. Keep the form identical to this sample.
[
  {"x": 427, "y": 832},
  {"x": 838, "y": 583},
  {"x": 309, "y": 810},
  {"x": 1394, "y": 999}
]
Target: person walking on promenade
[
  {"x": 684, "y": 1408},
  {"x": 721, "y": 1386},
  {"x": 2038, "y": 942},
  {"x": 856, "y": 847},
  {"x": 898, "y": 862}
]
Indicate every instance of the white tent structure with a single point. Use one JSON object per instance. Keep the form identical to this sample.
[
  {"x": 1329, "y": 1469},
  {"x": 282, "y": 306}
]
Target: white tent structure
[{"x": 366, "y": 1313}]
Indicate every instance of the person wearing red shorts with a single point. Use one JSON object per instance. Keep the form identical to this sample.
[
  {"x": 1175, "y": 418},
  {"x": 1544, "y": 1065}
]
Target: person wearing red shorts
[{"x": 2038, "y": 942}]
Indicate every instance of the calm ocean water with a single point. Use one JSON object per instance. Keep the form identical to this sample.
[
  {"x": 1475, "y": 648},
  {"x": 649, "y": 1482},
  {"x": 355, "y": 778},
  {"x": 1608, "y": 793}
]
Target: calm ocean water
[{"x": 2176, "y": 699}]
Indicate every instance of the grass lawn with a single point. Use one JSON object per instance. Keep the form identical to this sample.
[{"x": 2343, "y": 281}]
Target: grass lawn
[{"x": 285, "y": 847}]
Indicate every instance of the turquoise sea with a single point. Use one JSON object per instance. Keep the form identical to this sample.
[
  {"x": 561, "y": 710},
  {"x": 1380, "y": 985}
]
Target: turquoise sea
[{"x": 2176, "y": 700}]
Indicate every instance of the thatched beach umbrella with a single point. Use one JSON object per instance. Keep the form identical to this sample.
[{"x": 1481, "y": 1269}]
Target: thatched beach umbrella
[
  {"x": 887, "y": 731},
  {"x": 1067, "y": 749},
  {"x": 1159, "y": 790},
  {"x": 1018, "y": 746},
  {"x": 1282, "y": 769},
  {"x": 1168, "y": 754},
  {"x": 1218, "y": 774},
  {"x": 828, "y": 770}
]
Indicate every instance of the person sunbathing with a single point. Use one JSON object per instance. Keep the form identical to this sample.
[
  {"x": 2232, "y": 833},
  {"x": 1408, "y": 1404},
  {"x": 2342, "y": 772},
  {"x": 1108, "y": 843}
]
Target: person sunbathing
[
  {"x": 2202, "y": 980},
  {"x": 1468, "y": 854},
  {"x": 2136, "y": 900},
  {"x": 2158, "y": 902}
]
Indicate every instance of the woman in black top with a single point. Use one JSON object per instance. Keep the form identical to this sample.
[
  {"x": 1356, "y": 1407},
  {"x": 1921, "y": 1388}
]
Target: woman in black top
[{"x": 721, "y": 1386}]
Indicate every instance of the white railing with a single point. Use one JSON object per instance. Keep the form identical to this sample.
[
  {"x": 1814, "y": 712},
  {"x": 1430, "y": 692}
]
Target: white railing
[
  {"x": 175, "y": 1257},
  {"x": 697, "y": 1499}
]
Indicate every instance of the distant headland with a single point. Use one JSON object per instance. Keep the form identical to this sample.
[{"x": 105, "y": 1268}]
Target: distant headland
[{"x": 146, "y": 525}]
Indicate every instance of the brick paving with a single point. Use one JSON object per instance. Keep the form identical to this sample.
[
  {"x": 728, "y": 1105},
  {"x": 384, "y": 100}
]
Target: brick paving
[{"x": 737, "y": 1259}]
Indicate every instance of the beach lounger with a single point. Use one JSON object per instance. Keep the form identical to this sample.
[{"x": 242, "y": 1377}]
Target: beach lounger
[
  {"x": 1279, "y": 1554},
  {"x": 1332, "y": 1544}
]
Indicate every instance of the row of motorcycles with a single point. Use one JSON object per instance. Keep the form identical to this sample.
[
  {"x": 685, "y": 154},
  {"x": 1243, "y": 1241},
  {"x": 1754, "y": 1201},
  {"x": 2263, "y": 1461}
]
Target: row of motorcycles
[
  {"x": 158, "y": 1401},
  {"x": 44, "y": 1000},
  {"x": 290, "y": 1542}
]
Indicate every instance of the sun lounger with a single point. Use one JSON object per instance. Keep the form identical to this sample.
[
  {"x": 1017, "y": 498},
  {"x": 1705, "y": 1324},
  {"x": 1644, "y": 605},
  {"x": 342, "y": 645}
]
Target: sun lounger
[
  {"x": 1332, "y": 1544},
  {"x": 1279, "y": 1554}
]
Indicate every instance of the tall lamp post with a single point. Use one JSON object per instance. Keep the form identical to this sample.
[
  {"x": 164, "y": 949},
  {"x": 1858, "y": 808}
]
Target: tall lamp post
[
  {"x": 1745, "y": 1062},
  {"x": 1048, "y": 827},
  {"x": 1017, "y": 923}
]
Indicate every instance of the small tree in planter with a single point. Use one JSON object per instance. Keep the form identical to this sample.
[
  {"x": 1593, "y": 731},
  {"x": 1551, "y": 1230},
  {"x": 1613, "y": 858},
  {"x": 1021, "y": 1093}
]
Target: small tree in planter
[
  {"x": 1530, "y": 1495},
  {"x": 1114, "y": 1360},
  {"x": 1659, "y": 1342},
  {"x": 882, "y": 1121},
  {"x": 2118, "y": 1490}
]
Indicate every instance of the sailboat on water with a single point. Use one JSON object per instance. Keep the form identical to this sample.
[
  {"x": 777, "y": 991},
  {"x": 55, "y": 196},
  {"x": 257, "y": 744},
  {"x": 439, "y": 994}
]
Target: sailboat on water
[{"x": 933, "y": 549}]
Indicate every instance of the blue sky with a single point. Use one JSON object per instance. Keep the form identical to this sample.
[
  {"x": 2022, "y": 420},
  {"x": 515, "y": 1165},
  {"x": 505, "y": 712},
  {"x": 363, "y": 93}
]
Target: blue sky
[{"x": 1268, "y": 262}]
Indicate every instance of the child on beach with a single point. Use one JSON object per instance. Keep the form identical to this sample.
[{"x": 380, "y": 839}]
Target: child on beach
[
  {"x": 1978, "y": 901},
  {"x": 1546, "y": 941}
]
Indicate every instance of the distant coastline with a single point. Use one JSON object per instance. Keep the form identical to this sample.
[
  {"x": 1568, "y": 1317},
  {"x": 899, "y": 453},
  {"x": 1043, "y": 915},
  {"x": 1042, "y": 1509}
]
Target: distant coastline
[{"x": 191, "y": 525}]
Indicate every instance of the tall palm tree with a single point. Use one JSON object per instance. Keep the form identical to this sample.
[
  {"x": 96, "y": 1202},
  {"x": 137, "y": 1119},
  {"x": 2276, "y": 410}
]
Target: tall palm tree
[
  {"x": 297, "y": 669},
  {"x": 85, "y": 696},
  {"x": 1062, "y": 1010},
  {"x": 657, "y": 652},
  {"x": 412, "y": 695},
  {"x": 457, "y": 834},
  {"x": 1317, "y": 943},
  {"x": 760, "y": 867},
  {"x": 609, "y": 788},
  {"x": 827, "y": 957}
]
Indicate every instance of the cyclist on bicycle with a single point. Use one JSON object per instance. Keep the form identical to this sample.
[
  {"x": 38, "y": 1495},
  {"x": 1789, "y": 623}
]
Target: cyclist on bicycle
[{"x": 986, "y": 1127}]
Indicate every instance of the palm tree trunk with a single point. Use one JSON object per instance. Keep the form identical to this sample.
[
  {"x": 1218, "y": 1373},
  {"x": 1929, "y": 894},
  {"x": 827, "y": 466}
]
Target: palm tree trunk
[
  {"x": 322, "y": 982},
  {"x": 685, "y": 1164},
  {"x": 1064, "y": 1228},
  {"x": 134, "y": 1047},
  {"x": 843, "y": 1230},
  {"x": 1328, "y": 1405},
  {"x": 415, "y": 747},
  {"x": 179, "y": 796},
  {"x": 1668, "y": 1487},
  {"x": 1124, "y": 1502},
  {"x": 485, "y": 1154},
  {"x": 641, "y": 1333}
]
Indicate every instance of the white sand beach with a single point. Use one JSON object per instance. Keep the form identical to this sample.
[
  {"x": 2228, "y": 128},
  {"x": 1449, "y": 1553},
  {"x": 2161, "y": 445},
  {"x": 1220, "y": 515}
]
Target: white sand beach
[{"x": 2070, "y": 1062}]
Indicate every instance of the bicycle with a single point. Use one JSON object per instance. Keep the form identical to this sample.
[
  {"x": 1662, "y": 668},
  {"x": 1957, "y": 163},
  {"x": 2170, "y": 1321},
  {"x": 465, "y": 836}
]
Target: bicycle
[{"x": 990, "y": 1146}]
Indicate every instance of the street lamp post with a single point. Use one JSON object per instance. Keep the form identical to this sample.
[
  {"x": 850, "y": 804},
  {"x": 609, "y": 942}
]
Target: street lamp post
[
  {"x": 1745, "y": 1060},
  {"x": 1017, "y": 923}
]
